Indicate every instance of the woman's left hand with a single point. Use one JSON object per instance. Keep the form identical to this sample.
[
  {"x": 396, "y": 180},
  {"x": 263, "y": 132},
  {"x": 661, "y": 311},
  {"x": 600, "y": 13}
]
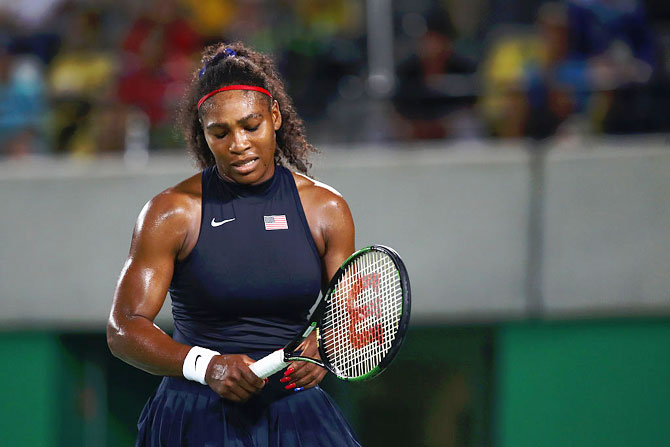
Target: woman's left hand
[{"x": 303, "y": 375}]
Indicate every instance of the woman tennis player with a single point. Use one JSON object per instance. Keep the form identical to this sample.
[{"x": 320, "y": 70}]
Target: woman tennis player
[{"x": 243, "y": 248}]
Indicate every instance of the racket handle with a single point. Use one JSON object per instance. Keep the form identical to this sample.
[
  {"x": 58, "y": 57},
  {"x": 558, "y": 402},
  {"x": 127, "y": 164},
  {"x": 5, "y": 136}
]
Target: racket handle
[{"x": 268, "y": 365}]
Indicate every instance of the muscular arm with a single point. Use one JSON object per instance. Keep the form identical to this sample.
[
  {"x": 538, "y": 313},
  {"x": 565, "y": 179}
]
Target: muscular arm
[
  {"x": 330, "y": 223},
  {"x": 166, "y": 230},
  {"x": 338, "y": 235},
  {"x": 160, "y": 233}
]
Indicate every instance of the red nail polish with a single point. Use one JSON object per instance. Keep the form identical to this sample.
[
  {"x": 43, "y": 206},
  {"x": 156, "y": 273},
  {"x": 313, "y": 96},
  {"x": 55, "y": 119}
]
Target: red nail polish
[
  {"x": 290, "y": 386},
  {"x": 266, "y": 380},
  {"x": 288, "y": 371},
  {"x": 285, "y": 379}
]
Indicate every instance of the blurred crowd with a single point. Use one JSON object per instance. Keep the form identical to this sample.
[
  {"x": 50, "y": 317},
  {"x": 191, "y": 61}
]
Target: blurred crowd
[{"x": 88, "y": 77}]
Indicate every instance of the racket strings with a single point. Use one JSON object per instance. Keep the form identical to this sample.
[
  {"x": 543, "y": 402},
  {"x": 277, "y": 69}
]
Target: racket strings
[
  {"x": 381, "y": 335},
  {"x": 363, "y": 315}
]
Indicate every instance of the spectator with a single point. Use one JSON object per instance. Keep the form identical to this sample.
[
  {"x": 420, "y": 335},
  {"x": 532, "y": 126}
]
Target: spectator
[
  {"x": 558, "y": 87},
  {"x": 212, "y": 18},
  {"x": 81, "y": 78},
  {"x": 614, "y": 37},
  {"x": 434, "y": 83},
  {"x": 531, "y": 81},
  {"x": 22, "y": 104},
  {"x": 159, "y": 56},
  {"x": 323, "y": 47}
]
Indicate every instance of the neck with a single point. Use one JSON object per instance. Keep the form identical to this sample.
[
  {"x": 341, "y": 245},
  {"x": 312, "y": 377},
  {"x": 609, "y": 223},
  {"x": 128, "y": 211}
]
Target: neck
[
  {"x": 244, "y": 189},
  {"x": 242, "y": 180}
]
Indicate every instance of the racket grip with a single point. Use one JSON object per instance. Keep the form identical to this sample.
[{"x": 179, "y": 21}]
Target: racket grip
[{"x": 269, "y": 364}]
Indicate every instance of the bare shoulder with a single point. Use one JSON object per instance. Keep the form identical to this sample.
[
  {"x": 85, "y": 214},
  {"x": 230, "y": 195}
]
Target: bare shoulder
[
  {"x": 172, "y": 218},
  {"x": 315, "y": 194},
  {"x": 330, "y": 222},
  {"x": 179, "y": 202},
  {"x": 329, "y": 219}
]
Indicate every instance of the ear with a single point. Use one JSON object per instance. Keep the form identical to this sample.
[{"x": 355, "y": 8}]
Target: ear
[{"x": 276, "y": 115}]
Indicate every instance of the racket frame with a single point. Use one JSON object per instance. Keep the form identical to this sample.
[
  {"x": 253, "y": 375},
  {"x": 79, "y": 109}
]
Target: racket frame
[
  {"x": 403, "y": 324},
  {"x": 280, "y": 359}
]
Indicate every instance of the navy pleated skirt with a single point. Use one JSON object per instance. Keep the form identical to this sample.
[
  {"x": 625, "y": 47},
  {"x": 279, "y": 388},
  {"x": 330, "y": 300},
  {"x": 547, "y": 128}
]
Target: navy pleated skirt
[{"x": 182, "y": 413}]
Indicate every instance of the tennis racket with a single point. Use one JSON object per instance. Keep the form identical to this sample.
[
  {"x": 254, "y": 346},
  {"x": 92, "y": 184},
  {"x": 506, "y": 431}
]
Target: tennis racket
[{"x": 360, "y": 321}]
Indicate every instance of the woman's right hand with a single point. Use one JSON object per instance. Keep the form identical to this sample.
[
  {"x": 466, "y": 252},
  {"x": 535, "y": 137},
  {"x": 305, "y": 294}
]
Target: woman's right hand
[{"x": 230, "y": 377}]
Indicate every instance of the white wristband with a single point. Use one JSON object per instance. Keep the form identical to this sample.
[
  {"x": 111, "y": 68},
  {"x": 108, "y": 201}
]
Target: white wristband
[{"x": 196, "y": 362}]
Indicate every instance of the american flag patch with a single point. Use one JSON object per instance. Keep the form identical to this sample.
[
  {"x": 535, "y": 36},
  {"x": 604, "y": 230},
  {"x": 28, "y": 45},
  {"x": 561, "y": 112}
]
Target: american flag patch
[{"x": 275, "y": 222}]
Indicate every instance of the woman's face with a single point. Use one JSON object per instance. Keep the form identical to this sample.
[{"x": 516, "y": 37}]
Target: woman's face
[{"x": 240, "y": 131}]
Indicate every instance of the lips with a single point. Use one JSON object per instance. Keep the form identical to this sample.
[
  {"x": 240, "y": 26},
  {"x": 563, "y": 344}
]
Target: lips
[{"x": 245, "y": 165}]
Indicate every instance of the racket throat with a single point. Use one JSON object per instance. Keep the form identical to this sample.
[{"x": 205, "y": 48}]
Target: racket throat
[
  {"x": 297, "y": 358},
  {"x": 309, "y": 329}
]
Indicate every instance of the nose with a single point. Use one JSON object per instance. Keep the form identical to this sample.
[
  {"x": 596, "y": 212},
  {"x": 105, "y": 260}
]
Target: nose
[{"x": 240, "y": 142}]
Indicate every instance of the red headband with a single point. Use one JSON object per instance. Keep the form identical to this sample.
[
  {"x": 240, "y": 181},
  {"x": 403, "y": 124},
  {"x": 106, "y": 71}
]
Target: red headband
[{"x": 233, "y": 87}]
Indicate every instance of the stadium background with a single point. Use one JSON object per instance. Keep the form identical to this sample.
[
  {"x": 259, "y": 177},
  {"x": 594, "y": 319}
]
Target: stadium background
[{"x": 514, "y": 152}]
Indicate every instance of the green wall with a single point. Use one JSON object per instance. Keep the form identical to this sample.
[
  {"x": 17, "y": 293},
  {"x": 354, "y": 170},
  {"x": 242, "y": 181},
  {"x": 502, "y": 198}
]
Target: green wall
[
  {"x": 583, "y": 383},
  {"x": 436, "y": 393},
  {"x": 74, "y": 393},
  {"x": 578, "y": 383},
  {"x": 67, "y": 390},
  {"x": 30, "y": 378}
]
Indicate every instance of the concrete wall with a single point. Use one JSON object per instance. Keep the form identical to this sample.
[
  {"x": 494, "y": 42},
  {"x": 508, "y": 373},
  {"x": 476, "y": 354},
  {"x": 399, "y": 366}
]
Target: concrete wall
[
  {"x": 608, "y": 232},
  {"x": 457, "y": 214}
]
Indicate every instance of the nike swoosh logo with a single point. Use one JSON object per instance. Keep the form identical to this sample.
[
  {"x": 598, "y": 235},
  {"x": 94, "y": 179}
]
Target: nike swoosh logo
[
  {"x": 197, "y": 357},
  {"x": 218, "y": 224}
]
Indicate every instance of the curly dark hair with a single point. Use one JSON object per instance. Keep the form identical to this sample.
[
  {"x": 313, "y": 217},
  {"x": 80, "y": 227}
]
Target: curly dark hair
[{"x": 222, "y": 67}]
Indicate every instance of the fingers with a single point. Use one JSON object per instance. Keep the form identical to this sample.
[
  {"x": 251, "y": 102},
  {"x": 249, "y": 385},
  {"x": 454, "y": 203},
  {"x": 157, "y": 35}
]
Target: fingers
[
  {"x": 230, "y": 377},
  {"x": 302, "y": 375},
  {"x": 242, "y": 390},
  {"x": 236, "y": 394},
  {"x": 249, "y": 375}
]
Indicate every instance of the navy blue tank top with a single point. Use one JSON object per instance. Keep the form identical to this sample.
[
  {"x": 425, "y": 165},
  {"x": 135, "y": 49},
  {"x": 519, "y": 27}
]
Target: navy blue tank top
[{"x": 254, "y": 273}]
